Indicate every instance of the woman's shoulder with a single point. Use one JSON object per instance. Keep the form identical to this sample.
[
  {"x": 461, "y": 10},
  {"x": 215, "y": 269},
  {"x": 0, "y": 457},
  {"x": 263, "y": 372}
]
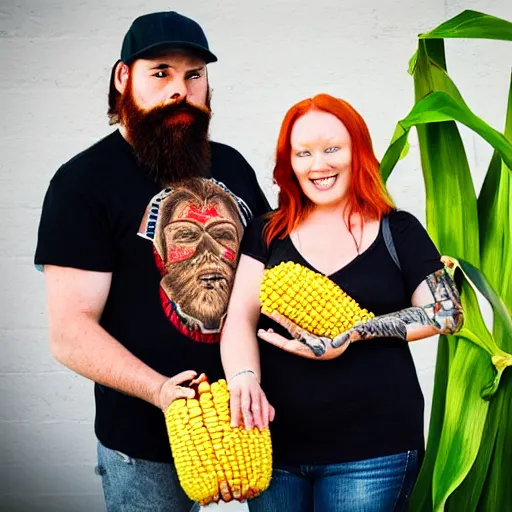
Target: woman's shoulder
[
  {"x": 402, "y": 220},
  {"x": 253, "y": 242},
  {"x": 258, "y": 223}
]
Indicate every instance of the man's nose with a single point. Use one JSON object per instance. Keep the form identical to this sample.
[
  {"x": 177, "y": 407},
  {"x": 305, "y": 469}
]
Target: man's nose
[{"x": 177, "y": 90}]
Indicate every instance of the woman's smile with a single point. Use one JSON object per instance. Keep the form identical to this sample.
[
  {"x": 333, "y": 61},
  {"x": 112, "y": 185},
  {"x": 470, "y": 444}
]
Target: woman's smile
[{"x": 324, "y": 183}]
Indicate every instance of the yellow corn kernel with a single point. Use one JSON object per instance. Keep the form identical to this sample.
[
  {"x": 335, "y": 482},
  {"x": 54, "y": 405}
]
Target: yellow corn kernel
[
  {"x": 319, "y": 306},
  {"x": 215, "y": 461}
]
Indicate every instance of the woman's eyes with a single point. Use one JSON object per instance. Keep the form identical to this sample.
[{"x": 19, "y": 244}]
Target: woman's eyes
[{"x": 332, "y": 149}]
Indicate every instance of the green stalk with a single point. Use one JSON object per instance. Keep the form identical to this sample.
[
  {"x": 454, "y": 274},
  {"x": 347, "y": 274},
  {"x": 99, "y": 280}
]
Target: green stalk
[{"x": 466, "y": 451}]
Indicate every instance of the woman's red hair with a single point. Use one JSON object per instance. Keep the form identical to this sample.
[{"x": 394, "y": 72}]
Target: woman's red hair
[{"x": 367, "y": 194}]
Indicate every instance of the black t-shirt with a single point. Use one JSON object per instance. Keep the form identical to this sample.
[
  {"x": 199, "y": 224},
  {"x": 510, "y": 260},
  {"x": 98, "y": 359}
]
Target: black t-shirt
[
  {"x": 172, "y": 254},
  {"x": 367, "y": 402}
]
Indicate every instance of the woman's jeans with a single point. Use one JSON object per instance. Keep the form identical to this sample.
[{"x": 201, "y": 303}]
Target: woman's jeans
[
  {"x": 382, "y": 484},
  {"x": 135, "y": 485}
]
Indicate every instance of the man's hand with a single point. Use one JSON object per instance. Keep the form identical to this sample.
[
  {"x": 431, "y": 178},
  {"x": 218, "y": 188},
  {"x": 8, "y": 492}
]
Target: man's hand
[{"x": 171, "y": 390}]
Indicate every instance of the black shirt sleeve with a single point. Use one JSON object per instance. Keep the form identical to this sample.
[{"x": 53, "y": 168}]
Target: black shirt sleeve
[
  {"x": 73, "y": 229},
  {"x": 261, "y": 204},
  {"x": 416, "y": 252},
  {"x": 253, "y": 244}
]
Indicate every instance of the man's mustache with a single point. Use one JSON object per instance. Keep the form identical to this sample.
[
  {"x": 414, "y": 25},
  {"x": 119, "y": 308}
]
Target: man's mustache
[{"x": 174, "y": 108}]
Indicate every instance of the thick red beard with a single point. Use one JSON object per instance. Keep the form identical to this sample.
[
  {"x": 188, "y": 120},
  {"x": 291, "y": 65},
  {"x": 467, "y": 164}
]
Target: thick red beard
[{"x": 171, "y": 141}]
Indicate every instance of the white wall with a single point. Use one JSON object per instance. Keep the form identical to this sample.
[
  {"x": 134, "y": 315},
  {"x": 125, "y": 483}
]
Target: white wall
[{"x": 55, "y": 63}]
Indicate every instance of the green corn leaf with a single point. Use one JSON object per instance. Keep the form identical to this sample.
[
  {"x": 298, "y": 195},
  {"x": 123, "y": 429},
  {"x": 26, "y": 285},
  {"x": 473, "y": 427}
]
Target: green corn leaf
[
  {"x": 439, "y": 107},
  {"x": 496, "y": 492},
  {"x": 479, "y": 281},
  {"x": 469, "y": 367},
  {"x": 445, "y": 170},
  {"x": 421, "y": 499},
  {"x": 471, "y": 375},
  {"x": 495, "y": 216},
  {"x": 452, "y": 205},
  {"x": 458, "y": 447},
  {"x": 472, "y": 24},
  {"x": 484, "y": 489}
]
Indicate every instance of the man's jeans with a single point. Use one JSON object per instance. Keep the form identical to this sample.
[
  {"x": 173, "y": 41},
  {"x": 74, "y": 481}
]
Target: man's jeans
[
  {"x": 382, "y": 484},
  {"x": 135, "y": 485}
]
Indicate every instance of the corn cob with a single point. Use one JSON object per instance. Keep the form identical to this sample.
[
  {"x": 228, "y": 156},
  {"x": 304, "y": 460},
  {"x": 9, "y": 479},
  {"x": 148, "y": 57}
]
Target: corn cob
[
  {"x": 213, "y": 460},
  {"x": 310, "y": 300}
]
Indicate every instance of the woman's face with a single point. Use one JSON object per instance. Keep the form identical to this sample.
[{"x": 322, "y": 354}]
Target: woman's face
[{"x": 321, "y": 157}]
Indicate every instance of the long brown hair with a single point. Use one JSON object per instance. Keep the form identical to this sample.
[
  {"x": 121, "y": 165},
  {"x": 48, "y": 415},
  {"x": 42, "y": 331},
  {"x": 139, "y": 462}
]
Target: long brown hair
[{"x": 367, "y": 194}]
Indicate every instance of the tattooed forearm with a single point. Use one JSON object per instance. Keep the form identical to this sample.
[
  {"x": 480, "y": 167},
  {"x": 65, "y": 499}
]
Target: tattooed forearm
[
  {"x": 446, "y": 312},
  {"x": 444, "y": 315}
]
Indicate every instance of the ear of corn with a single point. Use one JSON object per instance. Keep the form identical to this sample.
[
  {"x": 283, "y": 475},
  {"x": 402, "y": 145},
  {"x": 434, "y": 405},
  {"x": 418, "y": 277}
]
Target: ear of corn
[
  {"x": 469, "y": 434},
  {"x": 213, "y": 460},
  {"x": 311, "y": 300}
]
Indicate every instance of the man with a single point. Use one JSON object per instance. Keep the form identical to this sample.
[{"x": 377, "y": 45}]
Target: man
[{"x": 141, "y": 315}]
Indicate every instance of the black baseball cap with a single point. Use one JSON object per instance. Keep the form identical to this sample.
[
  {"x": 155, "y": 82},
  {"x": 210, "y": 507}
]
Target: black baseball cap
[{"x": 151, "y": 33}]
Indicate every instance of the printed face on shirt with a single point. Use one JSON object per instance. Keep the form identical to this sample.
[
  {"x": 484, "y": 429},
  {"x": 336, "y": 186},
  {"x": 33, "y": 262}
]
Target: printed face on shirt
[
  {"x": 197, "y": 239},
  {"x": 321, "y": 157}
]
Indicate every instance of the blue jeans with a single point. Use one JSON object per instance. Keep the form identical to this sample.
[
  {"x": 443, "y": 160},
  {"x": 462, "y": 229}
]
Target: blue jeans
[
  {"x": 135, "y": 485},
  {"x": 382, "y": 484}
]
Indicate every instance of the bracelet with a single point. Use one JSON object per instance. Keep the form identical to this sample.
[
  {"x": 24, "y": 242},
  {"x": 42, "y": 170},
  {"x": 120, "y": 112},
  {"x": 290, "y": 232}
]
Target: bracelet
[{"x": 241, "y": 372}]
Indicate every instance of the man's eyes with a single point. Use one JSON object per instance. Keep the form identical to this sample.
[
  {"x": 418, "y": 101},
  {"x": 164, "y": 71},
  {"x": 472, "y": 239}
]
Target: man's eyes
[{"x": 191, "y": 76}]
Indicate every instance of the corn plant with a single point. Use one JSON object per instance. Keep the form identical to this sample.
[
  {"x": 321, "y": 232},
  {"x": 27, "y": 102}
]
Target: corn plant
[{"x": 468, "y": 461}]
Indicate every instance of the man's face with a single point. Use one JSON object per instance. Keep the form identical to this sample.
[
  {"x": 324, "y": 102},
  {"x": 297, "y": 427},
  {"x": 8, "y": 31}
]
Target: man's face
[
  {"x": 174, "y": 76},
  {"x": 164, "y": 112},
  {"x": 201, "y": 252}
]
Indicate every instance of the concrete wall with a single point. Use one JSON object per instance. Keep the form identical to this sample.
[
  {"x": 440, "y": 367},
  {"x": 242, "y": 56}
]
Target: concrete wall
[{"x": 55, "y": 63}]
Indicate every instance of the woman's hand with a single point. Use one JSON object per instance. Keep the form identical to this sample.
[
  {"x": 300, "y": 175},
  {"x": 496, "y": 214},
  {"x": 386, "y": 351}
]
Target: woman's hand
[
  {"x": 304, "y": 343},
  {"x": 248, "y": 403}
]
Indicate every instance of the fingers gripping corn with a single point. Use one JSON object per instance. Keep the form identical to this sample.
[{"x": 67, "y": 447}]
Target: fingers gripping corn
[
  {"x": 215, "y": 461},
  {"x": 311, "y": 300}
]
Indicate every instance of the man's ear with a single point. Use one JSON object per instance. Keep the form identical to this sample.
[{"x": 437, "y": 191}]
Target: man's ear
[{"x": 121, "y": 75}]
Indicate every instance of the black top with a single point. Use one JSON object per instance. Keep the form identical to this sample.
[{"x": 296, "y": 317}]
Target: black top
[
  {"x": 172, "y": 255},
  {"x": 367, "y": 402}
]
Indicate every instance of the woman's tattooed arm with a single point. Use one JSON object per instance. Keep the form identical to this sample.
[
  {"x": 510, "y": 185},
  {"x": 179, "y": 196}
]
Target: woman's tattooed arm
[{"x": 442, "y": 316}]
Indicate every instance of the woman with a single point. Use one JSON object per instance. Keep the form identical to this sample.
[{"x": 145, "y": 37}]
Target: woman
[{"x": 348, "y": 428}]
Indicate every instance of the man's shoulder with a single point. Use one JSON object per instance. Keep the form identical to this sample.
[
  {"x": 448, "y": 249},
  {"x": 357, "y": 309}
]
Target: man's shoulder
[
  {"x": 89, "y": 162},
  {"x": 224, "y": 151}
]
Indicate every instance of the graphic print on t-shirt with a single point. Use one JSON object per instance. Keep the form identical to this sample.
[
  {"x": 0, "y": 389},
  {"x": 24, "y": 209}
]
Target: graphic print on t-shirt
[{"x": 196, "y": 228}]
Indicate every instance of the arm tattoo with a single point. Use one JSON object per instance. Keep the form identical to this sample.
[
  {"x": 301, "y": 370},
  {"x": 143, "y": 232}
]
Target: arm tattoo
[
  {"x": 315, "y": 343},
  {"x": 444, "y": 314}
]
